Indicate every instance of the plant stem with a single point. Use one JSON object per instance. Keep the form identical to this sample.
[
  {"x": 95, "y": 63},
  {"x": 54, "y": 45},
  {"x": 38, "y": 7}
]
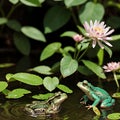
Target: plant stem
[
  {"x": 1, "y": 9},
  {"x": 115, "y": 77}
]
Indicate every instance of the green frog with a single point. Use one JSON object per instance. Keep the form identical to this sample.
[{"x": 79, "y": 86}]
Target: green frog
[
  {"x": 96, "y": 94},
  {"x": 47, "y": 107}
]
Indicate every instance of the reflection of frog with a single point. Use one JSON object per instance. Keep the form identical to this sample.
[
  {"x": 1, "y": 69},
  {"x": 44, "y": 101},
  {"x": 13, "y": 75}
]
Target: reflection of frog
[
  {"x": 96, "y": 94},
  {"x": 50, "y": 106}
]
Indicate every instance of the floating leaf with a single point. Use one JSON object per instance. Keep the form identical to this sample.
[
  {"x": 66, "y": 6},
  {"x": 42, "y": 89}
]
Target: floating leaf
[
  {"x": 43, "y": 96},
  {"x": 64, "y": 88},
  {"x": 55, "y": 18},
  {"x": 91, "y": 11},
  {"x": 33, "y": 33},
  {"x": 70, "y": 3},
  {"x": 113, "y": 116},
  {"x": 17, "y": 93},
  {"x": 94, "y": 68},
  {"x": 68, "y": 66},
  {"x": 49, "y": 50},
  {"x": 116, "y": 95},
  {"x": 5, "y": 65},
  {"x": 28, "y": 78},
  {"x": 50, "y": 83},
  {"x": 3, "y": 85},
  {"x": 42, "y": 69},
  {"x": 96, "y": 111}
]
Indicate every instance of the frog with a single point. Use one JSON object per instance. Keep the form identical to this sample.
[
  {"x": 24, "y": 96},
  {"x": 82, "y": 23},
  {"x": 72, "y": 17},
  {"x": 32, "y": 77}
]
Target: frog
[
  {"x": 46, "y": 107},
  {"x": 96, "y": 94}
]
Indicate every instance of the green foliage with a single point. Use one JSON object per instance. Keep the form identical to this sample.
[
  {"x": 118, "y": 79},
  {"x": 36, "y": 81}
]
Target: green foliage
[
  {"x": 94, "y": 68},
  {"x": 27, "y": 78},
  {"x": 55, "y": 18},
  {"x": 3, "y": 85},
  {"x": 3, "y": 20},
  {"x": 91, "y": 11},
  {"x": 49, "y": 50},
  {"x": 50, "y": 83},
  {"x": 5, "y": 65},
  {"x": 17, "y": 93},
  {"x": 113, "y": 116},
  {"x": 68, "y": 66}
]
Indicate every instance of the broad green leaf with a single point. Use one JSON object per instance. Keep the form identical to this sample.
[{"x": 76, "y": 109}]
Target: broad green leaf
[
  {"x": 3, "y": 20},
  {"x": 50, "y": 83},
  {"x": 43, "y": 96},
  {"x": 64, "y": 88},
  {"x": 115, "y": 37},
  {"x": 116, "y": 95},
  {"x": 100, "y": 56},
  {"x": 14, "y": 1},
  {"x": 49, "y": 50},
  {"x": 17, "y": 93},
  {"x": 9, "y": 77},
  {"x": 91, "y": 11},
  {"x": 70, "y": 3},
  {"x": 68, "y": 34},
  {"x": 94, "y": 68},
  {"x": 42, "y": 69},
  {"x": 55, "y": 18},
  {"x": 96, "y": 111},
  {"x": 33, "y": 33},
  {"x": 22, "y": 43},
  {"x": 5, "y": 65},
  {"x": 113, "y": 116},
  {"x": 85, "y": 71},
  {"x": 28, "y": 78},
  {"x": 82, "y": 30},
  {"x": 68, "y": 66},
  {"x": 14, "y": 25},
  {"x": 32, "y": 3},
  {"x": 3, "y": 85}
]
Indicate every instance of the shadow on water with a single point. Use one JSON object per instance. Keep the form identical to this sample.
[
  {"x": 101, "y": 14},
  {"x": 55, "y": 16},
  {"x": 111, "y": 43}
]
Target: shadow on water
[{"x": 71, "y": 109}]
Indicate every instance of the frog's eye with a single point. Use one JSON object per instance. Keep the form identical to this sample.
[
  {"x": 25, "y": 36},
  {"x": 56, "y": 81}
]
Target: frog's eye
[{"x": 85, "y": 84}]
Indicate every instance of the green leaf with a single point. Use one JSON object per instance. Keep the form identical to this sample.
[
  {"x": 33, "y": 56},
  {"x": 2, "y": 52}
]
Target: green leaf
[
  {"x": 100, "y": 56},
  {"x": 14, "y": 1},
  {"x": 50, "y": 83},
  {"x": 113, "y": 116},
  {"x": 49, "y": 50},
  {"x": 43, "y": 96},
  {"x": 68, "y": 34},
  {"x": 17, "y": 93},
  {"x": 3, "y": 85},
  {"x": 109, "y": 51},
  {"x": 5, "y": 65},
  {"x": 115, "y": 37},
  {"x": 91, "y": 11},
  {"x": 28, "y": 78},
  {"x": 14, "y": 25},
  {"x": 64, "y": 88},
  {"x": 116, "y": 95},
  {"x": 22, "y": 43},
  {"x": 32, "y": 3},
  {"x": 94, "y": 68},
  {"x": 85, "y": 71},
  {"x": 9, "y": 77},
  {"x": 68, "y": 66},
  {"x": 82, "y": 30},
  {"x": 3, "y": 20},
  {"x": 42, "y": 69},
  {"x": 55, "y": 18},
  {"x": 33, "y": 33},
  {"x": 70, "y": 3}
]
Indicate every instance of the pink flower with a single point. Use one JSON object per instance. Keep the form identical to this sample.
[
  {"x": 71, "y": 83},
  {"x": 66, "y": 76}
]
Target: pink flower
[
  {"x": 112, "y": 66},
  {"x": 78, "y": 38},
  {"x": 98, "y": 32}
]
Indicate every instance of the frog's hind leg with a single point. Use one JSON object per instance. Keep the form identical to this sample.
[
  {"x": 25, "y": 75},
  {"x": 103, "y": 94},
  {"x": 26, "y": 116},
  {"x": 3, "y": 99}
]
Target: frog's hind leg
[{"x": 107, "y": 103}]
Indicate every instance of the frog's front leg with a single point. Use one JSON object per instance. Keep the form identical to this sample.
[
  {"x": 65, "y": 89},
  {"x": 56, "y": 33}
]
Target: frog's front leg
[
  {"x": 84, "y": 99},
  {"x": 96, "y": 100}
]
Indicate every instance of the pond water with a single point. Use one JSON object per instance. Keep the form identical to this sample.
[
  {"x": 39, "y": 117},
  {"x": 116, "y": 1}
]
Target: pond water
[{"x": 71, "y": 109}]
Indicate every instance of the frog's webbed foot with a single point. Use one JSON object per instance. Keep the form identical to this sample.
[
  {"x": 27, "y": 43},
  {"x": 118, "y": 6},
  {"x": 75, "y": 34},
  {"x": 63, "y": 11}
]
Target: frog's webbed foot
[
  {"x": 83, "y": 100},
  {"x": 89, "y": 107}
]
